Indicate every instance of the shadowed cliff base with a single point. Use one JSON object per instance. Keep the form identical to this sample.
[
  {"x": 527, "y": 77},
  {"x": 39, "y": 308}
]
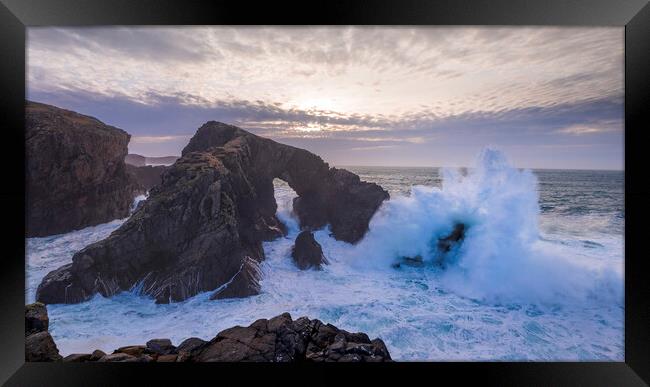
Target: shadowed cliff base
[{"x": 202, "y": 227}]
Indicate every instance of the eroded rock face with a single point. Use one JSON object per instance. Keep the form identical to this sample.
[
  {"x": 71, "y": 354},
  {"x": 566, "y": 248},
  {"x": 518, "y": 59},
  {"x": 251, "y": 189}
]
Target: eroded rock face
[
  {"x": 203, "y": 226},
  {"x": 39, "y": 344},
  {"x": 281, "y": 339},
  {"x": 36, "y": 319},
  {"x": 76, "y": 175},
  {"x": 457, "y": 235},
  {"x": 307, "y": 253}
]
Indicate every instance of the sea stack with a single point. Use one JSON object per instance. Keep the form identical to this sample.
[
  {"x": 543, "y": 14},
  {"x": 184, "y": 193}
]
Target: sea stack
[{"x": 202, "y": 227}]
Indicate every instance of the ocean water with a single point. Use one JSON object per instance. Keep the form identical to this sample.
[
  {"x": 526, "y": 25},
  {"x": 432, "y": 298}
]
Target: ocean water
[{"x": 539, "y": 275}]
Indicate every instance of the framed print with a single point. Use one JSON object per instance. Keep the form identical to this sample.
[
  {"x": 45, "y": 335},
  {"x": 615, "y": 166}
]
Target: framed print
[{"x": 449, "y": 188}]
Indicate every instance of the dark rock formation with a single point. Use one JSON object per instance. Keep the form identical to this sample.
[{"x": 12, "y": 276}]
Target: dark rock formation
[
  {"x": 203, "y": 226},
  {"x": 457, "y": 235},
  {"x": 306, "y": 252},
  {"x": 160, "y": 346},
  {"x": 443, "y": 246},
  {"x": 147, "y": 176},
  {"x": 135, "y": 160},
  {"x": 36, "y": 319},
  {"x": 279, "y": 339},
  {"x": 76, "y": 176},
  {"x": 39, "y": 345}
]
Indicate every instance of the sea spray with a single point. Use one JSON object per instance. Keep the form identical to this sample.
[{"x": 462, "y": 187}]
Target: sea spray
[{"x": 501, "y": 257}]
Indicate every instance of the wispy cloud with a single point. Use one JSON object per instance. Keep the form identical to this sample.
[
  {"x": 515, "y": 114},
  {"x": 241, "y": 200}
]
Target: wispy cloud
[{"x": 376, "y": 90}]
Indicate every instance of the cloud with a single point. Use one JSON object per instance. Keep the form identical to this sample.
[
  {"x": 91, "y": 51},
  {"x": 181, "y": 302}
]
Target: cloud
[
  {"x": 449, "y": 70},
  {"x": 591, "y": 128},
  {"x": 383, "y": 90}
]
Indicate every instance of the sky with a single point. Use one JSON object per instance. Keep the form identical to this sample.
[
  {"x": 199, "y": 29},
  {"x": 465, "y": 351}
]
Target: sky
[{"x": 549, "y": 97}]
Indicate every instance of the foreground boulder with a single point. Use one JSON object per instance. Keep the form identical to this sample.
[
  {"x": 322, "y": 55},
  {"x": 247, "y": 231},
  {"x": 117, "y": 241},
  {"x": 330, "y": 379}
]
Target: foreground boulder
[
  {"x": 279, "y": 339},
  {"x": 39, "y": 344},
  {"x": 306, "y": 252},
  {"x": 76, "y": 175},
  {"x": 202, "y": 227}
]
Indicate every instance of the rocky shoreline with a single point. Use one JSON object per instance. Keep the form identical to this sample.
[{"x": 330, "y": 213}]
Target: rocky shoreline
[{"x": 279, "y": 339}]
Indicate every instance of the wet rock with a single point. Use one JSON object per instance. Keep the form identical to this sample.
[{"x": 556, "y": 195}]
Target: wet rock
[
  {"x": 203, "y": 226},
  {"x": 36, "y": 319},
  {"x": 243, "y": 284},
  {"x": 76, "y": 176},
  {"x": 41, "y": 347},
  {"x": 283, "y": 340},
  {"x": 306, "y": 252},
  {"x": 160, "y": 347},
  {"x": 457, "y": 235}
]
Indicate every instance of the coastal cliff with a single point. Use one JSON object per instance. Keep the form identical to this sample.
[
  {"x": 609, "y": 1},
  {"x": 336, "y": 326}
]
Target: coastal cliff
[
  {"x": 202, "y": 227},
  {"x": 76, "y": 176}
]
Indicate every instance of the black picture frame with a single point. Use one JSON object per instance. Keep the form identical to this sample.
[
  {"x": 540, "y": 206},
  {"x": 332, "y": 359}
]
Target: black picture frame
[{"x": 15, "y": 15}]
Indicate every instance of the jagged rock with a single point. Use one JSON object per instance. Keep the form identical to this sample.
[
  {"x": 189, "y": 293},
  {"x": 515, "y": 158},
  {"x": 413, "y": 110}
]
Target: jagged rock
[
  {"x": 76, "y": 176},
  {"x": 279, "y": 339},
  {"x": 40, "y": 347},
  {"x": 445, "y": 244},
  {"x": 243, "y": 284},
  {"x": 203, "y": 226},
  {"x": 147, "y": 176},
  {"x": 160, "y": 347},
  {"x": 283, "y": 340},
  {"x": 306, "y": 252},
  {"x": 36, "y": 319}
]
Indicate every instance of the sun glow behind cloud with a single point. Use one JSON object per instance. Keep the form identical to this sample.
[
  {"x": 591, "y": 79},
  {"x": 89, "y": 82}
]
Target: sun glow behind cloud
[{"x": 367, "y": 86}]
